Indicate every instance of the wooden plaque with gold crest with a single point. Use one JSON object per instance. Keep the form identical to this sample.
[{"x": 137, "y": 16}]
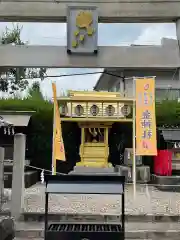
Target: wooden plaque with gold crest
[{"x": 82, "y": 28}]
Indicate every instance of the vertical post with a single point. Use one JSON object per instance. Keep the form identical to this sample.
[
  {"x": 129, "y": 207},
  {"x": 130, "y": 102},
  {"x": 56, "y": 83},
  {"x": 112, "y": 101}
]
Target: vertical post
[
  {"x": 1, "y": 176},
  {"x": 46, "y": 215},
  {"x": 178, "y": 40},
  {"x": 106, "y": 131},
  {"x": 134, "y": 137},
  {"x": 123, "y": 212},
  {"x": 82, "y": 144},
  {"x": 178, "y": 30},
  {"x": 53, "y": 145},
  {"x": 17, "y": 202}
]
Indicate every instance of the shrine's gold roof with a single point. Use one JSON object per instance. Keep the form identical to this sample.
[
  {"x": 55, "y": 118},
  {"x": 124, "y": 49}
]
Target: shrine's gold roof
[
  {"x": 93, "y": 96},
  {"x": 92, "y": 106}
]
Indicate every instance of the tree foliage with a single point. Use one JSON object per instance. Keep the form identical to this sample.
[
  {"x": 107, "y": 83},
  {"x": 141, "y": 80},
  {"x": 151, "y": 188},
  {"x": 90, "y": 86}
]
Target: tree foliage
[
  {"x": 15, "y": 79},
  {"x": 34, "y": 92}
]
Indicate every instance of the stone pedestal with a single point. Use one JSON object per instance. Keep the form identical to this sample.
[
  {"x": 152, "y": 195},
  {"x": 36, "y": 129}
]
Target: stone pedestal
[
  {"x": 128, "y": 156},
  {"x": 166, "y": 183},
  {"x": 31, "y": 176},
  {"x": 124, "y": 171},
  {"x": 93, "y": 171},
  {"x": 142, "y": 173}
]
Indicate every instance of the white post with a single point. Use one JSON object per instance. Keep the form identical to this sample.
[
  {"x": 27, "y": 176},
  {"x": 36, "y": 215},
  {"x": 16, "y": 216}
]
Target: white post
[
  {"x": 17, "y": 201},
  {"x": 134, "y": 138},
  {"x": 1, "y": 175}
]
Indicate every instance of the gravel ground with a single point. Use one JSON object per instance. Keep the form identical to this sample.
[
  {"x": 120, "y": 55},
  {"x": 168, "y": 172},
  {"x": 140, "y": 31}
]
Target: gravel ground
[{"x": 148, "y": 201}]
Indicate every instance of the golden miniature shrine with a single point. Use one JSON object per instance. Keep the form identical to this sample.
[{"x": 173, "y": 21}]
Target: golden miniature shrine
[{"x": 95, "y": 112}]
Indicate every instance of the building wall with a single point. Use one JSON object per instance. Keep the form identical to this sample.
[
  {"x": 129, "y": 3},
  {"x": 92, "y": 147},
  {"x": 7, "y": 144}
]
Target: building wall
[{"x": 167, "y": 82}]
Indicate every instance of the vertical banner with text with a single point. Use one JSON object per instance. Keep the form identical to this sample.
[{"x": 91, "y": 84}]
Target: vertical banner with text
[
  {"x": 58, "y": 144},
  {"x": 146, "y": 143}
]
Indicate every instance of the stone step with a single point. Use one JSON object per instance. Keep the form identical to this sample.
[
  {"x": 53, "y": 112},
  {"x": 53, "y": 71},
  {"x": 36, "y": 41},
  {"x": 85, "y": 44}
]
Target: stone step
[
  {"x": 142, "y": 230},
  {"x": 39, "y": 217}
]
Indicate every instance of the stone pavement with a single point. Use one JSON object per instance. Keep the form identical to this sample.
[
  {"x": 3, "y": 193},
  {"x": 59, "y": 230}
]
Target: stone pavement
[{"x": 148, "y": 200}]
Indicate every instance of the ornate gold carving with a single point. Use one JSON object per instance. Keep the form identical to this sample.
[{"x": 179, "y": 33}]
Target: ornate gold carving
[{"x": 84, "y": 20}]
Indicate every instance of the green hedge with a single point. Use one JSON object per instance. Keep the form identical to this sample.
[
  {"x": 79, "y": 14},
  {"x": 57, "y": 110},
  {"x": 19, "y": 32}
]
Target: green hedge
[
  {"x": 39, "y": 136},
  {"x": 39, "y": 133}
]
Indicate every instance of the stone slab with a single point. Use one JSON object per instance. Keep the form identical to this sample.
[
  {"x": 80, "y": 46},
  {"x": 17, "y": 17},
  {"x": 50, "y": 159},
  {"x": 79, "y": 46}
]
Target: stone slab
[
  {"x": 167, "y": 183},
  {"x": 115, "y": 11},
  {"x": 91, "y": 171},
  {"x": 30, "y": 178}
]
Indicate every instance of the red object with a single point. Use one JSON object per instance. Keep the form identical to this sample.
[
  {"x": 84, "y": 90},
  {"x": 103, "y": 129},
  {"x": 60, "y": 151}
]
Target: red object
[{"x": 163, "y": 163}]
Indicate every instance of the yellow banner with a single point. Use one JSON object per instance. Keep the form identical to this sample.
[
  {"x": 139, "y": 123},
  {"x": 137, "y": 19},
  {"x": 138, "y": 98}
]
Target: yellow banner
[
  {"x": 146, "y": 142},
  {"x": 58, "y": 145}
]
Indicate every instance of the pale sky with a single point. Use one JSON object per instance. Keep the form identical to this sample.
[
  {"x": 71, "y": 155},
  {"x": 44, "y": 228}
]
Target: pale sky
[{"x": 109, "y": 35}]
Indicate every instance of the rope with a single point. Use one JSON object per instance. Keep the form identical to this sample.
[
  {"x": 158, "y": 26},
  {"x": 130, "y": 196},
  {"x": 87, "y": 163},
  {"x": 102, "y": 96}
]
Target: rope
[{"x": 140, "y": 184}]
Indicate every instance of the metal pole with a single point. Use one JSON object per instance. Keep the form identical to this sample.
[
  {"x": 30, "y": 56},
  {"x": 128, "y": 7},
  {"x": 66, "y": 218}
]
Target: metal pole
[{"x": 134, "y": 138}]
